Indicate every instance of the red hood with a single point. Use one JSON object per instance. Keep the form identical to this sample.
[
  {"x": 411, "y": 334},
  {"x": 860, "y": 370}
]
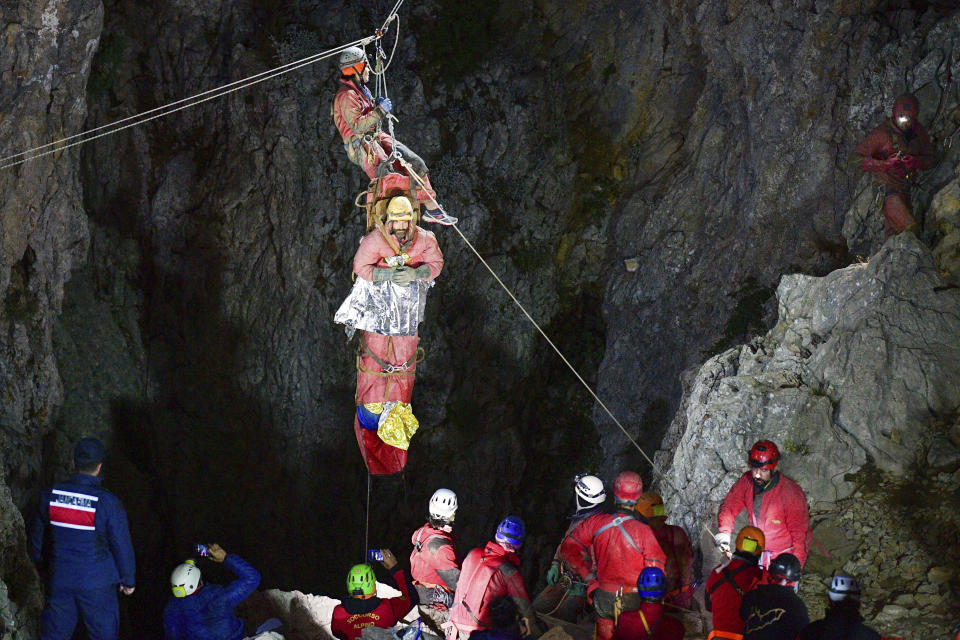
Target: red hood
[{"x": 495, "y": 550}]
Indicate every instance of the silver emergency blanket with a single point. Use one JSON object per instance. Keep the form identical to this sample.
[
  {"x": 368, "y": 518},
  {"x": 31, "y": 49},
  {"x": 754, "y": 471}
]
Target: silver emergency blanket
[{"x": 384, "y": 307}]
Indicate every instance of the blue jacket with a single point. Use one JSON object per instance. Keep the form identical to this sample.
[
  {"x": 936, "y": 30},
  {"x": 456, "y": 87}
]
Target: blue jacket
[
  {"x": 82, "y": 533},
  {"x": 208, "y": 613}
]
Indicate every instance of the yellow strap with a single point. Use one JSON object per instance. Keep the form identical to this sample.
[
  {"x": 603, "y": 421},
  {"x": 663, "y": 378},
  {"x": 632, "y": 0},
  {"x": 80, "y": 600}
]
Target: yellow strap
[{"x": 643, "y": 619}]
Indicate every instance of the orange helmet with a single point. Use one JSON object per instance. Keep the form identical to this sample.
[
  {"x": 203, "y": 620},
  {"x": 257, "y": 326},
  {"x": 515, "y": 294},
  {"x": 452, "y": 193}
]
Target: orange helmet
[
  {"x": 750, "y": 540},
  {"x": 650, "y": 505}
]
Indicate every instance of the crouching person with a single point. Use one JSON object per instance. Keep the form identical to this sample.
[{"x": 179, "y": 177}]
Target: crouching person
[
  {"x": 650, "y": 620},
  {"x": 364, "y": 609},
  {"x": 199, "y": 611}
]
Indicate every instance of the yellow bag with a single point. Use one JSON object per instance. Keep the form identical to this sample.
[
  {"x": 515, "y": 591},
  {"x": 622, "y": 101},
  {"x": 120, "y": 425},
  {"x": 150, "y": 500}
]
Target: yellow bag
[{"x": 398, "y": 427}]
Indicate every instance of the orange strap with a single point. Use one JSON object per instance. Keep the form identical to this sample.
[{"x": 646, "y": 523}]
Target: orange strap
[{"x": 729, "y": 635}]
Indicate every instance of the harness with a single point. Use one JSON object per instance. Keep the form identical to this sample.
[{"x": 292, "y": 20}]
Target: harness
[
  {"x": 647, "y": 626},
  {"x": 728, "y": 577},
  {"x": 618, "y": 523}
]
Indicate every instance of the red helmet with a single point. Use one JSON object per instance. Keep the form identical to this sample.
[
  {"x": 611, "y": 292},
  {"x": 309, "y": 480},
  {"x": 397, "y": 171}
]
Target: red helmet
[
  {"x": 764, "y": 455},
  {"x": 627, "y": 487}
]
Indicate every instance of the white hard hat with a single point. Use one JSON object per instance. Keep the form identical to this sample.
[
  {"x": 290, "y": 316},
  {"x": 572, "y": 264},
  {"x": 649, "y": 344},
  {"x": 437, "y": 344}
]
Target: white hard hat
[
  {"x": 351, "y": 56},
  {"x": 443, "y": 504},
  {"x": 843, "y": 587},
  {"x": 185, "y": 579},
  {"x": 589, "y": 490}
]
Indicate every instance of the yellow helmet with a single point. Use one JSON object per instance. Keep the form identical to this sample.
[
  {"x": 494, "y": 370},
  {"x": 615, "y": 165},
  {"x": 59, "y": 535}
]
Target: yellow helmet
[{"x": 399, "y": 208}]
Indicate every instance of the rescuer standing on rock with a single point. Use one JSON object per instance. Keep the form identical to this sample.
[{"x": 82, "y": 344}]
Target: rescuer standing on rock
[
  {"x": 199, "y": 611},
  {"x": 488, "y": 573},
  {"x": 775, "y": 611},
  {"x": 81, "y": 541},
  {"x": 775, "y": 504},
  {"x": 357, "y": 115},
  {"x": 621, "y": 547},
  {"x": 650, "y": 620},
  {"x": 842, "y": 620},
  {"x": 675, "y": 544},
  {"x": 565, "y": 596},
  {"x": 730, "y": 581},
  {"x": 433, "y": 561},
  {"x": 894, "y": 153},
  {"x": 364, "y": 609}
]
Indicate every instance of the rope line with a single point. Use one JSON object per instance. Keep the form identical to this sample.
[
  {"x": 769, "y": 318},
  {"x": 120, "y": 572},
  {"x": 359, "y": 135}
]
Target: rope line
[
  {"x": 526, "y": 313},
  {"x": 366, "y": 528},
  {"x": 159, "y": 112}
]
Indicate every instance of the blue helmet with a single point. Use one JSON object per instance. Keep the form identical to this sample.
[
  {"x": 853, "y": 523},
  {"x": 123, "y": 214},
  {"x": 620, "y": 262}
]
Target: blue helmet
[
  {"x": 511, "y": 531},
  {"x": 652, "y": 583}
]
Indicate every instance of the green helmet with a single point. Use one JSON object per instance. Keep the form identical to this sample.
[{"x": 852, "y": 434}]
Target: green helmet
[{"x": 361, "y": 581}]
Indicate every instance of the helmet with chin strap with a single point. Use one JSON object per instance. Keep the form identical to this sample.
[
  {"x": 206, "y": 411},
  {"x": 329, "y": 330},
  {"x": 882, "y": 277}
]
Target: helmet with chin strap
[
  {"x": 764, "y": 455},
  {"x": 352, "y": 61},
  {"x": 185, "y": 579},
  {"x": 589, "y": 491}
]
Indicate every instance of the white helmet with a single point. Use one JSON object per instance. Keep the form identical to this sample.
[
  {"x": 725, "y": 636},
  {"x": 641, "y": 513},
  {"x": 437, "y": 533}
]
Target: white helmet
[
  {"x": 185, "y": 579},
  {"x": 843, "y": 587},
  {"x": 352, "y": 56},
  {"x": 443, "y": 505},
  {"x": 589, "y": 490}
]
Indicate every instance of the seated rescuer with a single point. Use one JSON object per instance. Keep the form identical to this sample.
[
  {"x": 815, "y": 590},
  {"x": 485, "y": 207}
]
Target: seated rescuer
[
  {"x": 364, "y": 609},
  {"x": 650, "y": 621},
  {"x": 199, "y": 611},
  {"x": 565, "y": 596},
  {"x": 433, "y": 561}
]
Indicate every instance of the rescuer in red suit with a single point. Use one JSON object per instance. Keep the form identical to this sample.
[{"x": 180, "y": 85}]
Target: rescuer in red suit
[
  {"x": 775, "y": 504},
  {"x": 730, "y": 581},
  {"x": 650, "y": 621},
  {"x": 619, "y": 547},
  {"x": 894, "y": 152},
  {"x": 675, "y": 544},
  {"x": 364, "y": 609},
  {"x": 487, "y": 573},
  {"x": 433, "y": 561}
]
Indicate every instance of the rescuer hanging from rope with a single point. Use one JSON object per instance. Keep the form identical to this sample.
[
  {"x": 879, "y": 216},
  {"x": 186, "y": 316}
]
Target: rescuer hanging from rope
[
  {"x": 358, "y": 116},
  {"x": 396, "y": 264}
]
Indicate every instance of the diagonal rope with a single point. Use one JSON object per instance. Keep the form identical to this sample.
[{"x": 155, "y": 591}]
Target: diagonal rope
[
  {"x": 366, "y": 528},
  {"x": 185, "y": 103}
]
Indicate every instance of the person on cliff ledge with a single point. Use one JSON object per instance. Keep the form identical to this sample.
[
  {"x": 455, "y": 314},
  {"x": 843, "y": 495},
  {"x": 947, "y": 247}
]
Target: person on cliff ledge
[
  {"x": 357, "y": 117},
  {"x": 775, "y": 504},
  {"x": 565, "y": 596},
  {"x": 895, "y": 152},
  {"x": 364, "y": 609},
  {"x": 842, "y": 620},
  {"x": 610, "y": 550},
  {"x": 81, "y": 543}
]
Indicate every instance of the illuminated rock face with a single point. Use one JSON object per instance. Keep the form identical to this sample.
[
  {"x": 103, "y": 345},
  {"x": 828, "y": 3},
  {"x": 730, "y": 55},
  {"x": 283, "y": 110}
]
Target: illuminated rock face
[{"x": 171, "y": 287}]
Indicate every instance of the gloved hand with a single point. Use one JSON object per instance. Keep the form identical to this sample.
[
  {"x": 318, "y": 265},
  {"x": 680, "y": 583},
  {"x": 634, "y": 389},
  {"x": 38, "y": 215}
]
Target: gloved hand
[
  {"x": 722, "y": 540},
  {"x": 383, "y": 275},
  {"x": 423, "y": 272},
  {"x": 553, "y": 575},
  {"x": 385, "y": 104},
  {"x": 578, "y": 590},
  {"x": 403, "y": 275}
]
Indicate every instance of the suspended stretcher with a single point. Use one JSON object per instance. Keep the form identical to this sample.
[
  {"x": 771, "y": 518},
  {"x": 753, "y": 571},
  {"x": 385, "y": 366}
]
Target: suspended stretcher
[{"x": 387, "y": 316}]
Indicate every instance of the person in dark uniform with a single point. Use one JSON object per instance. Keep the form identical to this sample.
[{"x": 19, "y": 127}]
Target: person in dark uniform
[{"x": 775, "y": 611}]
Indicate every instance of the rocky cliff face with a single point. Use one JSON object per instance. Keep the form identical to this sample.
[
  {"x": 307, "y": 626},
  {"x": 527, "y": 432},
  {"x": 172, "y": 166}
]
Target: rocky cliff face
[
  {"x": 705, "y": 142},
  {"x": 861, "y": 372},
  {"x": 45, "y": 57}
]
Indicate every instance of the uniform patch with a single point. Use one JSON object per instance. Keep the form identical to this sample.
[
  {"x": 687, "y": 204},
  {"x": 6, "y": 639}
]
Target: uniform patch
[{"x": 73, "y": 510}]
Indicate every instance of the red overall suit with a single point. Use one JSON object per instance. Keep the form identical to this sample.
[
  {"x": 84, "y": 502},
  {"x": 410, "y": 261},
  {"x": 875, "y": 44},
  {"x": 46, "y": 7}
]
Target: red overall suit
[
  {"x": 679, "y": 565},
  {"x": 780, "y": 511},
  {"x": 621, "y": 547},
  {"x": 725, "y": 588},
  {"x": 356, "y": 117},
  {"x": 649, "y": 622},
  {"x": 487, "y": 573},
  {"x": 433, "y": 561},
  {"x": 894, "y": 157},
  {"x": 373, "y": 383}
]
